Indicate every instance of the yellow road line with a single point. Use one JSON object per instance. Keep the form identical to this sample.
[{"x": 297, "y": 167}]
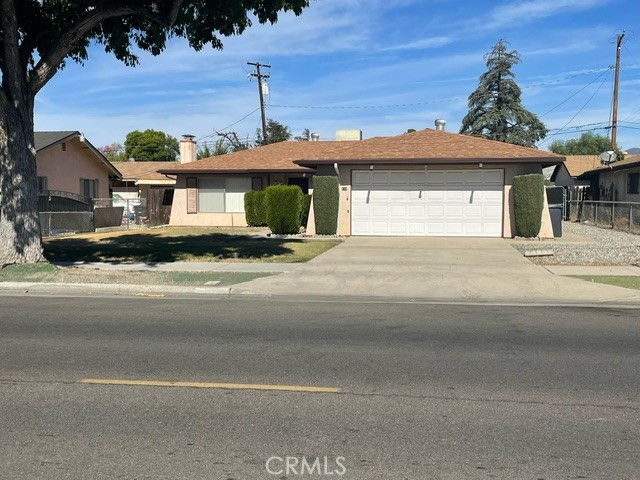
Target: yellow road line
[{"x": 228, "y": 386}]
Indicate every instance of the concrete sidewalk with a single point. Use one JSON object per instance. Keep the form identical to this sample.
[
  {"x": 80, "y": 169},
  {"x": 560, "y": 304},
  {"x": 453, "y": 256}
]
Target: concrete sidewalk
[{"x": 432, "y": 268}]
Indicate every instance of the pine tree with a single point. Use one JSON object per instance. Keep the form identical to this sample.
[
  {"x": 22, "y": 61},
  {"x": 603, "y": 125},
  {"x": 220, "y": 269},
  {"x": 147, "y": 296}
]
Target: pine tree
[{"x": 495, "y": 109}]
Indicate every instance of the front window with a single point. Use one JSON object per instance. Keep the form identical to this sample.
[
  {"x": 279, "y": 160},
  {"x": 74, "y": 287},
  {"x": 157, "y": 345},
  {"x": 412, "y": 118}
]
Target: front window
[
  {"x": 43, "y": 184},
  {"x": 633, "y": 183},
  {"x": 220, "y": 195},
  {"x": 89, "y": 187}
]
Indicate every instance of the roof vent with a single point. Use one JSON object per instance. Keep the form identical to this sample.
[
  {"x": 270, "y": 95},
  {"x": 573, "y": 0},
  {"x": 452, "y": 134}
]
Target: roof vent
[
  {"x": 315, "y": 137},
  {"x": 440, "y": 123}
]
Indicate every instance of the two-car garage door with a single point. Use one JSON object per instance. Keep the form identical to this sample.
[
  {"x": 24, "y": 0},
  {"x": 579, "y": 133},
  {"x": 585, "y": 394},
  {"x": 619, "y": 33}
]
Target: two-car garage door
[{"x": 427, "y": 202}]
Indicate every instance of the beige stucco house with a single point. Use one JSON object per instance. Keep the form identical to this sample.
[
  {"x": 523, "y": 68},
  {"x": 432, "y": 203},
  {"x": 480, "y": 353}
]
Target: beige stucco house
[
  {"x": 616, "y": 181},
  {"x": 426, "y": 183},
  {"x": 66, "y": 161}
]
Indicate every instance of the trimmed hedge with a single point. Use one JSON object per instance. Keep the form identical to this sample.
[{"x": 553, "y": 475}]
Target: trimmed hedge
[
  {"x": 528, "y": 202},
  {"x": 326, "y": 200},
  {"x": 255, "y": 208},
  {"x": 284, "y": 209},
  {"x": 306, "y": 206}
]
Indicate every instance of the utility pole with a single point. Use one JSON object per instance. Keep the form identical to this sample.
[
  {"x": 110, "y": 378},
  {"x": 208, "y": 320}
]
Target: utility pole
[
  {"x": 260, "y": 76},
  {"x": 614, "y": 113}
]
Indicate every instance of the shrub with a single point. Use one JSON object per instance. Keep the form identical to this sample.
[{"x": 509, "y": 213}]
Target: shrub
[
  {"x": 284, "y": 208},
  {"x": 326, "y": 200},
  {"x": 249, "y": 208},
  {"x": 306, "y": 206},
  {"x": 255, "y": 209},
  {"x": 528, "y": 202}
]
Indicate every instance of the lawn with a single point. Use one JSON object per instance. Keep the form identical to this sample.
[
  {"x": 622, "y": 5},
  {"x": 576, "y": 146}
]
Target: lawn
[
  {"x": 618, "y": 281},
  {"x": 183, "y": 244}
]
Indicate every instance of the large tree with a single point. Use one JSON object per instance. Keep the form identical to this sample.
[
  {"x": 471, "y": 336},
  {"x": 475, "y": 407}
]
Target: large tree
[
  {"x": 495, "y": 109},
  {"x": 276, "y": 132},
  {"x": 37, "y": 37},
  {"x": 151, "y": 146},
  {"x": 589, "y": 143}
]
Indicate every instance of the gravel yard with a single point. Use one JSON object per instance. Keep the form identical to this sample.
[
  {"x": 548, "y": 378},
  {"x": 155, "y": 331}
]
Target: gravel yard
[{"x": 583, "y": 244}]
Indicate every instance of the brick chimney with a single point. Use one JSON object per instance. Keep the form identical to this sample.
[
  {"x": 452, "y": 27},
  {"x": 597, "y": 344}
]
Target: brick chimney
[{"x": 188, "y": 149}]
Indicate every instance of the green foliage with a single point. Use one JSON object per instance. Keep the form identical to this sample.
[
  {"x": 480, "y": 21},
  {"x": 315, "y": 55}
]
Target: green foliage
[
  {"x": 284, "y": 209},
  {"x": 276, "y": 132},
  {"x": 151, "y": 146},
  {"x": 528, "y": 202},
  {"x": 326, "y": 201},
  {"x": 204, "y": 152},
  {"x": 495, "y": 109},
  {"x": 305, "y": 136},
  {"x": 306, "y": 206},
  {"x": 589, "y": 143},
  {"x": 255, "y": 208}
]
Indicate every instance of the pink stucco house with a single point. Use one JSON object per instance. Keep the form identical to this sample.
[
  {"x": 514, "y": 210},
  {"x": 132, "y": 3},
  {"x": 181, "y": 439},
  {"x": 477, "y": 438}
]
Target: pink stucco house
[{"x": 66, "y": 161}]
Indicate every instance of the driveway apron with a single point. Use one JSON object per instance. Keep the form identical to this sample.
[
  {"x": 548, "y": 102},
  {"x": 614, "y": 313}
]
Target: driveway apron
[{"x": 436, "y": 268}]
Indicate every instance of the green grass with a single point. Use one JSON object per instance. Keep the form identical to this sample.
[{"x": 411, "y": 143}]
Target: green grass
[
  {"x": 182, "y": 244},
  {"x": 618, "y": 281},
  {"x": 33, "y": 272},
  {"x": 47, "y": 273}
]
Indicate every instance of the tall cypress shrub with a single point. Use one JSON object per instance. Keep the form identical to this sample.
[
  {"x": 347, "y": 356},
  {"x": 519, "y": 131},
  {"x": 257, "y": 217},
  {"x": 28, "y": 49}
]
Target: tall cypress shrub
[
  {"x": 528, "y": 202},
  {"x": 284, "y": 208},
  {"x": 326, "y": 201}
]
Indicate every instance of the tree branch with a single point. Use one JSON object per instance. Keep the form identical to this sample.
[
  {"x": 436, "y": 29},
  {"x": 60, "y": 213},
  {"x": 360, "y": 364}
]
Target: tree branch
[{"x": 50, "y": 62}]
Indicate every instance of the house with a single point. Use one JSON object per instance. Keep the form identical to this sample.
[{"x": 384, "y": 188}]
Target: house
[
  {"x": 425, "y": 183},
  {"x": 146, "y": 194},
  {"x": 566, "y": 174},
  {"x": 617, "y": 181},
  {"x": 67, "y": 162}
]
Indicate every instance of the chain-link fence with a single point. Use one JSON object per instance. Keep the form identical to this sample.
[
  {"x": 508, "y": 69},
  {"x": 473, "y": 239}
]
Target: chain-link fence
[
  {"x": 58, "y": 223},
  {"x": 617, "y": 215},
  {"x": 133, "y": 211}
]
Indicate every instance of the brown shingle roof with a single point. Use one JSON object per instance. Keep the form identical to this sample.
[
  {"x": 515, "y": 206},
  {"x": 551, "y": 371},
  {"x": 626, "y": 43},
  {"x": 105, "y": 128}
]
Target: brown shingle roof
[
  {"x": 426, "y": 146},
  {"x": 133, "y": 171},
  {"x": 626, "y": 163},
  {"x": 576, "y": 165},
  {"x": 277, "y": 157},
  {"x": 432, "y": 146}
]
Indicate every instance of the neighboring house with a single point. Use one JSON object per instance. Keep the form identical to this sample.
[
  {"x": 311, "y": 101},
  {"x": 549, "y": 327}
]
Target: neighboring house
[
  {"x": 566, "y": 174},
  {"x": 138, "y": 178},
  {"x": 617, "y": 181},
  {"x": 68, "y": 162},
  {"x": 426, "y": 183},
  {"x": 144, "y": 191}
]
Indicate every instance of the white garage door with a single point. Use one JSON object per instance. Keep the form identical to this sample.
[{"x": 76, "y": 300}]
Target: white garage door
[{"x": 460, "y": 203}]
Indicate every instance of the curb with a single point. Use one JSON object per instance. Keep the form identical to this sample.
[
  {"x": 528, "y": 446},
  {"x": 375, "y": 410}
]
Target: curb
[{"x": 124, "y": 289}]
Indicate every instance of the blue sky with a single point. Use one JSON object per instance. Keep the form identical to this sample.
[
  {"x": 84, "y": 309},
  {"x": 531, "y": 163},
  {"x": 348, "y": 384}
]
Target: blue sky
[{"x": 382, "y": 66}]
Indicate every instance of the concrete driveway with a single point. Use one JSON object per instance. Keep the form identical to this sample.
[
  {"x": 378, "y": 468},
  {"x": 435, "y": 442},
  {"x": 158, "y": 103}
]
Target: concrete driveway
[{"x": 448, "y": 269}]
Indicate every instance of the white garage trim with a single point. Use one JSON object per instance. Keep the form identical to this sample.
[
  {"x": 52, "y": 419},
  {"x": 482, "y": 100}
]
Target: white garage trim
[{"x": 448, "y": 203}]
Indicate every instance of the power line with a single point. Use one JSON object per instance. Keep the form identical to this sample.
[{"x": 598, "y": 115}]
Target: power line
[
  {"x": 577, "y": 113},
  {"x": 569, "y": 98}
]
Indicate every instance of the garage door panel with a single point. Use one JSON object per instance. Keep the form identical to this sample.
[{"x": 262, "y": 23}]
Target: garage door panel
[
  {"x": 438, "y": 203},
  {"x": 380, "y": 178},
  {"x": 416, "y": 211}
]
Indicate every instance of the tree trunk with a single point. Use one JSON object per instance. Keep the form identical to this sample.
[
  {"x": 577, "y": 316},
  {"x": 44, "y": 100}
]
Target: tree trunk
[{"x": 20, "y": 237}]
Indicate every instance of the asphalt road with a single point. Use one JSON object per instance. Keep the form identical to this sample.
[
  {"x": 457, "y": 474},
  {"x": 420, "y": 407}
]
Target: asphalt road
[{"x": 426, "y": 391}]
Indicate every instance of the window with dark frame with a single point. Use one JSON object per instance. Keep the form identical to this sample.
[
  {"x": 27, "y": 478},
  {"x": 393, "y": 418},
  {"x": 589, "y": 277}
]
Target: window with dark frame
[
  {"x": 256, "y": 183},
  {"x": 633, "y": 183},
  {"x": 43, "y": 184},
  {"x": 89, "y": 187}
]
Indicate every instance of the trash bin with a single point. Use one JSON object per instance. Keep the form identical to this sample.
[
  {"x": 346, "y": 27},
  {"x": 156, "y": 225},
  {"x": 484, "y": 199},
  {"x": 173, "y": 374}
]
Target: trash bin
[{"x": 556, "y": 219}]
